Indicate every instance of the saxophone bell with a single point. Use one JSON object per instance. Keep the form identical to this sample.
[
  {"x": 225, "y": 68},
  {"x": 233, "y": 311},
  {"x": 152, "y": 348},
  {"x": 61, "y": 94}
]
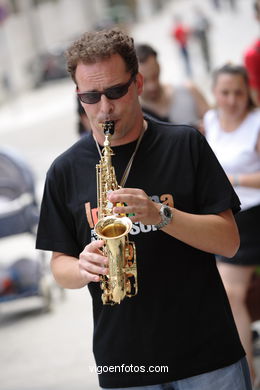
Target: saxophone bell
[
  {"x": 121, "y": 280},
  {"x": 112, "y": 227}
]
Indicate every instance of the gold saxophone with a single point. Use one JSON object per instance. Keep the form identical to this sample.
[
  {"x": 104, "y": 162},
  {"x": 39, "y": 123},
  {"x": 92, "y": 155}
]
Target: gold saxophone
[{"x": 121, "y": 280}]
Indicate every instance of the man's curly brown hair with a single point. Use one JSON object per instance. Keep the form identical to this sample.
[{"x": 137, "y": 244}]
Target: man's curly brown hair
[{"x": 94, "y": 46}]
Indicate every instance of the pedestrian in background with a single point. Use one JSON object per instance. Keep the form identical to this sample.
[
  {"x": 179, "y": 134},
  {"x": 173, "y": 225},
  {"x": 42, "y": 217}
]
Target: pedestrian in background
[
  {"x": 179, "y": 104},
  {"x": 201, "y": 30},
  {"x": 233, "y": 5},
  {"x": 233, "y": 131},
  {"x": 181, "y": 35},
  {"x": 252, "y": 61},
  {"x": 218, "y": 4},
  {"x": 83, "y": 125},
  {"x": 181, "y": 205}
]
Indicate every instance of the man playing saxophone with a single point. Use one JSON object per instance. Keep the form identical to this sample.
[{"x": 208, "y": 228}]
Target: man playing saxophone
[{"x": 181, "y": 205}]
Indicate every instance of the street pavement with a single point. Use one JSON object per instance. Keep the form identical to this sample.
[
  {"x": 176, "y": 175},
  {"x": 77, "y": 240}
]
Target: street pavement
[{"x": 47, "y": 351}]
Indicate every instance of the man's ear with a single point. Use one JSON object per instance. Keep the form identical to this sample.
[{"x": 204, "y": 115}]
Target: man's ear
[{"x": 140, "y": 83}]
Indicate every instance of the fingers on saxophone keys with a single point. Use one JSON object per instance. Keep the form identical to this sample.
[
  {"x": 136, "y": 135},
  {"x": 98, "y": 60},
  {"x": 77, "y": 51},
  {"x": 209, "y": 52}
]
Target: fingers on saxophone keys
[
  {"x": 95, "y": 272},
  {"x": 94, "y": 264},
  {"x": 121, "y": 210},
  {"x": 96, "y": 244}
]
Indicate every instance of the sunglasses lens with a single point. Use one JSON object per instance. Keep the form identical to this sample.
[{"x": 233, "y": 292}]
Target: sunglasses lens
[
  {"x": 117, "y": 92},
  {"x": 110, "y": 93},
  {"x": 90, "y": 97}
]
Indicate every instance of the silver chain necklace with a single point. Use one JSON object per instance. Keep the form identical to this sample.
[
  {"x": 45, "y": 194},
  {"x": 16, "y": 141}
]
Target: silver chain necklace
[{"x": 130, "y": 162}]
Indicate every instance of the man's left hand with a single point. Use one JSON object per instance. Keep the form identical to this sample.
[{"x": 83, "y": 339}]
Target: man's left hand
[{"x": 137, "y": 202}]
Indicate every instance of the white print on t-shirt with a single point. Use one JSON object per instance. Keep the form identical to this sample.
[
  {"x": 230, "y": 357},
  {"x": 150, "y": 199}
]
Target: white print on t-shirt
[{"x": 138, "y": 227}]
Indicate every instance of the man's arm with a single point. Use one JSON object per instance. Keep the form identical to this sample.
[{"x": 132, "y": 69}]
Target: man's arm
[
  {"x": 217, "y": 234},
  {"x": 71, "y": 272}
]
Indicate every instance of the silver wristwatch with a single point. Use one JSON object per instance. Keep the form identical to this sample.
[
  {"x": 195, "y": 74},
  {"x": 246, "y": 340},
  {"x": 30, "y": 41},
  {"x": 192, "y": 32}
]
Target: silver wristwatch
[{"x": 166, "y": 215}]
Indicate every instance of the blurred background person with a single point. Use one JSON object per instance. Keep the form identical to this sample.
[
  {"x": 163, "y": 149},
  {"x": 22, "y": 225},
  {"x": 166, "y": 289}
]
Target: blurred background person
[
  {"x": 183, "y": 104},
  {"x": 181, "y": 34},
  {"x": 233, "y": 131},
  {"x": 83, "y": 125},
  {"x": 252, "y": 60},
  {"x": 201, "y": 29},
  {"x": 217, "y": 4},
  {"x": 232, "y": 4}
]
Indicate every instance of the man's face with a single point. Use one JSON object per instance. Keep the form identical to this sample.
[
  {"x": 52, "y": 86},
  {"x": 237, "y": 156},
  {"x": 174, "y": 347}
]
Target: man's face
[
  {"x": 151, "y": 72},
  {"x": 104, "y": 75}
]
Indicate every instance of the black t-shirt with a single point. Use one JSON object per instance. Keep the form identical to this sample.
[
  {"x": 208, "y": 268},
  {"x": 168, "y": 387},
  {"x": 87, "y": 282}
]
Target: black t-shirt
[{"x": 180, "y": 319}]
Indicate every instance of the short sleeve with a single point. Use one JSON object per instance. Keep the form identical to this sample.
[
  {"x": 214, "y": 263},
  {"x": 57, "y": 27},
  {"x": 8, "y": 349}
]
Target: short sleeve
[{"x": 56, "y": 231}]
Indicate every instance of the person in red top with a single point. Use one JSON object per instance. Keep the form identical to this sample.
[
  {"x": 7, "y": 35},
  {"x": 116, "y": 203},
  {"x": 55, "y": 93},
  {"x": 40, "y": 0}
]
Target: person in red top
[
  {"x": 181, "y": 35},
  {"x": 252, "y": 61}
]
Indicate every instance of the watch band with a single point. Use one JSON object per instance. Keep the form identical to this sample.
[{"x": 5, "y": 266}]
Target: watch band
[{"x": 166, "y": 215}]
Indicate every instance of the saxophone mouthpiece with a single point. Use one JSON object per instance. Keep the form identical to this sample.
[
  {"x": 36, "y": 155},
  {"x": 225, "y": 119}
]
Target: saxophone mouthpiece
[{"x": 109, "y": 127}]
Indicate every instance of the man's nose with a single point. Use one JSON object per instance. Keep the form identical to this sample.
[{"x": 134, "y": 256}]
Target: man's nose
[{"x": 107, "y": 105}]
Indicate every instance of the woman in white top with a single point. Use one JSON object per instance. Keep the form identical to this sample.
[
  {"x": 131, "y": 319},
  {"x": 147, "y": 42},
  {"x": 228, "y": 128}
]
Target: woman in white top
[{"x": 233, "y": 131}]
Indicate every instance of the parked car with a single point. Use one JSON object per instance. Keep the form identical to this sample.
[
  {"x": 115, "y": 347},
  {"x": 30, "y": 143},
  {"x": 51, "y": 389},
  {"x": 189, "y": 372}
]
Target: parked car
[{"x": 47, "y": 67}]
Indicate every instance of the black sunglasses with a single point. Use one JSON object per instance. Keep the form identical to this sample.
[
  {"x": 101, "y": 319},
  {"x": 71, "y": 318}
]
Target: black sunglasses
[{"x": 93, "y": 97}]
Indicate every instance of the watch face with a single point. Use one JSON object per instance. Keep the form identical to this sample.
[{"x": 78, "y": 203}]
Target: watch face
[{"x": 167, "y": 212}]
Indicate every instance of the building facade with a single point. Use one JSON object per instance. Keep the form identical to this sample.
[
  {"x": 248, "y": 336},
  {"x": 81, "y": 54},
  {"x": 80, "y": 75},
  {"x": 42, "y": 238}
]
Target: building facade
[{"x": 34, "y": 34}]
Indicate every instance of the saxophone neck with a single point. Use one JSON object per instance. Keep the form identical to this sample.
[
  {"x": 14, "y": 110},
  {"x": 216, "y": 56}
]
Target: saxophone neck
[
  {"x": 109, "y": 128},
  {"x": 107, "y": 151},
  {"x": 107, "y": 141}
]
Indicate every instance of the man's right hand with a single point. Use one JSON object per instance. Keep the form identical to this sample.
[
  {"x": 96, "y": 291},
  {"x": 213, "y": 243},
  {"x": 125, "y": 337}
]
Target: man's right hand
[
  {"x": 92, "y": 262},
  {"x": 72, "y": 272}
]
